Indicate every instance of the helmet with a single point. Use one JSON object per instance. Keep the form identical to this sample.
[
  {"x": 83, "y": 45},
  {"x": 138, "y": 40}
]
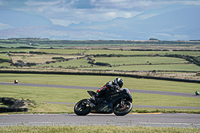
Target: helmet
[{"x": 119, "y": 82}]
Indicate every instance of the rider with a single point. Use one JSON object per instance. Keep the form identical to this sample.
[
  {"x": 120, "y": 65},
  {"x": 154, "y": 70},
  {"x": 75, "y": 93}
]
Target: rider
[
  {"x": 109, "y": 86},
  {"x": 196, "y": 92}
]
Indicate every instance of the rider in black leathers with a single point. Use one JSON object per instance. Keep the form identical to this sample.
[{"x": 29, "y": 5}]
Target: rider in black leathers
[{"x": 108, "y": 87}]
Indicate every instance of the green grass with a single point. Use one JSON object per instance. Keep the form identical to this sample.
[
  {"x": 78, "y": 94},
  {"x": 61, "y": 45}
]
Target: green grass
[
  {"x": 4, "y": 56},
  {"x": 98, "y": 81},
  {"x": 134, "y": 63},
  {"x": 71, "y": 63},
  {"x": 139, "y": 60},
  {"x": 36, "y": 58},
  {"x": 172, "y": 67},
  {"x": 16, "y": 50},
  {"x": 62, "y": 51},
  {"x": 160, "y": 110},
  {"x": 131, "y": 64},
  {"x": 190, "y": 53},
  {"x": 95, "y": 129},
  {"x": 118, "y": 52},
  {"x": 5, "y": 64},
  {"x": 43, "y": 94},
  {"x": 163, "y": 100},
  {"x": 94, "y": 52},
  {"x": 52, "y": 51}
]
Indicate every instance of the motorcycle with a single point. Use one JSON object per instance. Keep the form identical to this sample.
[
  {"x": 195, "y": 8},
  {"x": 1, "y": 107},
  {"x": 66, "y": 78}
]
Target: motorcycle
[{"x": 118, "y": 102}]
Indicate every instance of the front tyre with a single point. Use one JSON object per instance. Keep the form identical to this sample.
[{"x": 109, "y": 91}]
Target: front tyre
[
  {"x": 123, "y": 108},
  {"x": 82, "y": 108}
]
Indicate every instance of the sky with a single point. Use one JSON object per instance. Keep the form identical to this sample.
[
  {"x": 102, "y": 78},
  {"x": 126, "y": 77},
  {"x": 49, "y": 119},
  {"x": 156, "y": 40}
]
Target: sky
[{"x": 65, "y": 12}]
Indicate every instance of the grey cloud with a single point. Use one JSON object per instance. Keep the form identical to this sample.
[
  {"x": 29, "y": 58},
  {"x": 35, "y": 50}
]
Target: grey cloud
[{"x": 88, "y": 10}]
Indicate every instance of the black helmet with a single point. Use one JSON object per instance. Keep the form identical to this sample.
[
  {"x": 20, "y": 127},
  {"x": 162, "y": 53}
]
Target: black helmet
[{"x": 119, "y": 81}]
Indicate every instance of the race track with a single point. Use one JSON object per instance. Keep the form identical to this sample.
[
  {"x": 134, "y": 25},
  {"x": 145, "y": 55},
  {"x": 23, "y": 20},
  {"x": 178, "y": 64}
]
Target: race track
[
  {"x": 131, "y": 90},
  {"x": 153, "y": 120},
  {"x": 95, "y": 88}
]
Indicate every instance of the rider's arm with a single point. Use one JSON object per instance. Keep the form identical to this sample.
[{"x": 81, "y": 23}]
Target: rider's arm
[{"x": 112, "y": 86}]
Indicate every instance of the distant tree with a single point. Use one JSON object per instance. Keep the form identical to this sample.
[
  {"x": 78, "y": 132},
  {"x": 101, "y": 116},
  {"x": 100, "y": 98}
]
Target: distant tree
[
  {"x": 102, "y": 64},
  {"x": 153, "y": 39}
]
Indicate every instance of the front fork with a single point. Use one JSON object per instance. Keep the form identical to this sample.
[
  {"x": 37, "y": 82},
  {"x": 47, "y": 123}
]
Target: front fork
[{"x": 121, "y": 104}]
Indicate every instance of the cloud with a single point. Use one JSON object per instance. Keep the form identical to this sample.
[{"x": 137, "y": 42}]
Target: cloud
[
  {"x": 5, "y": 26},
  {"x": 63, "y": 12},
  {"x": 63, "y": 22},
  {"x": 197, "y": 3},
  {"x": 145, "y": 16}
]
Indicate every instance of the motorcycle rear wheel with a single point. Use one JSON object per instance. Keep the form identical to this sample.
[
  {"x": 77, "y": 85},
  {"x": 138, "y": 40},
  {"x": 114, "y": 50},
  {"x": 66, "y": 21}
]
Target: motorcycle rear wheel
[
  {"x": 82, "y": 108},
  {"x": 121, "y": 110}
]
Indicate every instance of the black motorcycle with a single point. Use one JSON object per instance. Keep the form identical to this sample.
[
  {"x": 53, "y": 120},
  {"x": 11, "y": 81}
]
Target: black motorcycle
[{"x": 118, "y": 102}]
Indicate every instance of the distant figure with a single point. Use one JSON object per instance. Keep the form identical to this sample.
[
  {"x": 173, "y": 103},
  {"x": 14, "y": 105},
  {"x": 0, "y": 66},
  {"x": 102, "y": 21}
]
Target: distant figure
[
  {"x": 16, "y": 81},
  {"x": 196, "y": 93}
]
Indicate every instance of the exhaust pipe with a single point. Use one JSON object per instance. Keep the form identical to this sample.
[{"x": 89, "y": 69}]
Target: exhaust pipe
[{"x": 90, "y": 103}]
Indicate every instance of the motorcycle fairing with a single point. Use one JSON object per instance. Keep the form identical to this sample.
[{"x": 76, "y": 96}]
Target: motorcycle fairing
[
  {"x": 111, "y": 99},
  {"x": 102, "y": 108},
  {"x": 121, "y": 95},
  {"x": 91, "y": 93}
]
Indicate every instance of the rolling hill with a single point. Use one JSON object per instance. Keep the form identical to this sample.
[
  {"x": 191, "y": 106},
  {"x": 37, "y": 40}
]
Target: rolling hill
[{"x": 180, "y": 24}]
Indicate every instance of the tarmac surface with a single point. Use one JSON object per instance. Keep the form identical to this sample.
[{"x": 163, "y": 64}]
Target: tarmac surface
[{"x": 153, "y": 120}]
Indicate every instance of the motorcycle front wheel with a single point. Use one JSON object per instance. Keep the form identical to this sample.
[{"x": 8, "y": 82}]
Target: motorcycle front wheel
[
  {"x": 121, "y": 109},
  {"x": 82, "y": 108}
]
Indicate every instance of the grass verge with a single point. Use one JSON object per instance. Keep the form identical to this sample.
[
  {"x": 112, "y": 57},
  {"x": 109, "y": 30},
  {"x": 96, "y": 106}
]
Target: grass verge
[{"x": 95, "y": 129}]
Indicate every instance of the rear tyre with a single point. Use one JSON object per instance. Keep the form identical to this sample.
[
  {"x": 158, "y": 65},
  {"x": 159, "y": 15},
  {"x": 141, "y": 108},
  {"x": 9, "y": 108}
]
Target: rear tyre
[
  {"x": 82, "y": 108},
  {"x": 122, "y": 109}
]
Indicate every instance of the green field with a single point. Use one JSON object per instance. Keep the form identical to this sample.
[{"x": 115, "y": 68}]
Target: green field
[
  {"x": 98, "y": 81},
  {"x": 62, "y": 51},
  {"x": 18, "y": 50},
  {"x": 5, "y": 64},
  {"x": 131, "y": 64},
  {"x": 4, "y": 56},
  {"x": 142, "y": 60},
  {"x": 140, "y": 68},
  {"x": 43, "y": 94},
  {"x": 139, "y": 60},
  {"x": 39, "y": 59},
  {"x": 72, "y": 63},
  {"x": 126, "y": 52}
]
